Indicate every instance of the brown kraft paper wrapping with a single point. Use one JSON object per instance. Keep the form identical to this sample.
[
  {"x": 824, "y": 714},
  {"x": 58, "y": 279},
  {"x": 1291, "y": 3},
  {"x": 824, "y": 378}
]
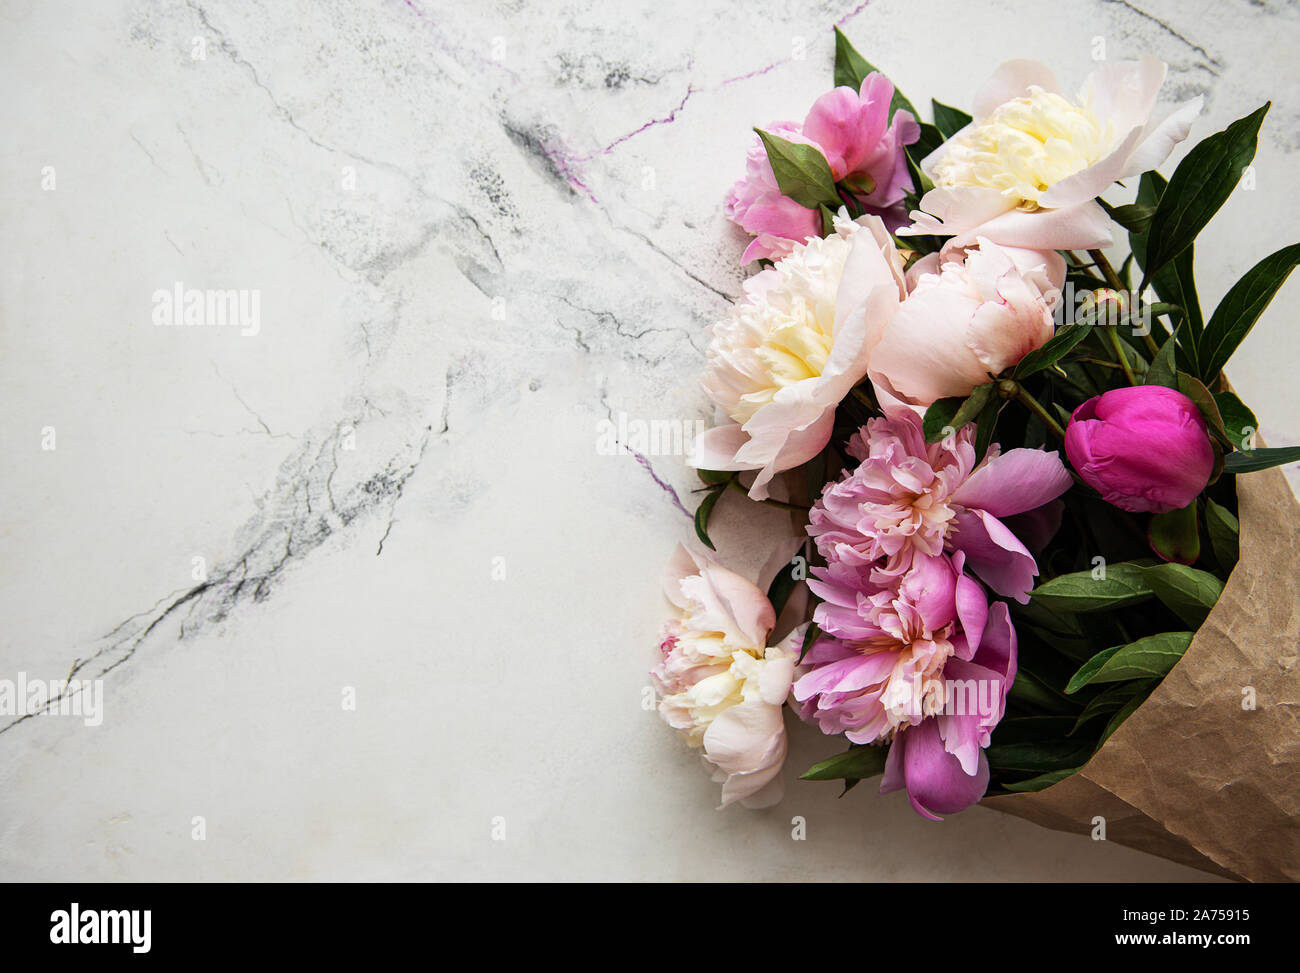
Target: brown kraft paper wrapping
[{"x": 1192, "y": 776}]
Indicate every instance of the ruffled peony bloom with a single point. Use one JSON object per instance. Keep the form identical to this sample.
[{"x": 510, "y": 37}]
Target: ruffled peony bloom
[
  {"x": 861, "y": 144},
  {"x": 908, "y": 497},
  {"x": 1029, "y": 167},
  {"x": 721, "y": 685},
  {"x": 794, "y": 346},
  {"x": 924, "y": 663},
  {"x": 969, "y": 314},
  {"x": 1145, "y": 449}
]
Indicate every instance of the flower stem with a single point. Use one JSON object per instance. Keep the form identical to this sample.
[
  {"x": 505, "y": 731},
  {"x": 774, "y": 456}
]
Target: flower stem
[
  {"x": 1112, "y": 336},
  {"x": 1104, "y": 266},
  {"x": 1014, "y": 390}
]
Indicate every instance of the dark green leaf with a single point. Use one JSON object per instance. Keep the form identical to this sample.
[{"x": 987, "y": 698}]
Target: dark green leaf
[
  {"x": 810, "y": 638},
  {"x": 854, "y": 764},
  {"x": 1199, "y": 186},
  {"x": 1175, "y": 536},
  {"x": 1189, "y": 593},
  {"x": 851, "y": 68},
  {"x": 783, "y": 584},
  {"x": 1040, "y": 756},
  {"x": 1107, "y": 702},
  {"x": 1081, "y": 592},
  {"x": 1034, "y": 694},
  {"x": 1241, "y": 308},
  {"x": 1148, "y": 658},
  {"x": 801, "y": 171},
  {"x": 1238, "y": 421},
  {"x": 1127, "y": 710},
  {"x": 947, "y": 119},
  {"x": 1164, "y": 370},
  {"x": 939, "y": 416},
  {"x": 1059, "y": 345},
  {"x": 1174, "y": 283},
  {"x": 1041, "y": 782},
  {"x": 1195, "y": 390},
  {"x": 985, "y": 425},
  {"x": 714, "y": 477},
  {"x": 1261, "y": 459},
  {"x": 702, "y": 514},
  {"x": 1135, "y": 217},
  {"x": 955, "y": 413},
  {"x": 1223, "y": 529}
]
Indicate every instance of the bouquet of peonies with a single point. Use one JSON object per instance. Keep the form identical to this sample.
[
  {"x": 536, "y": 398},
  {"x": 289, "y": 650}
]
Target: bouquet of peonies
[{"x": 1033, "y": 561}]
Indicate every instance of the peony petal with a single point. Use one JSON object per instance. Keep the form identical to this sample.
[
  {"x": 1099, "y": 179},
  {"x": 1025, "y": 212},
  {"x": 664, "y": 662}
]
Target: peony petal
[
  {"x": 1011, "y": 80},
  {"x": 995, "y": 554},
  {"x": 1013, "y": 482},
  {"x": 936, "y": 782}
]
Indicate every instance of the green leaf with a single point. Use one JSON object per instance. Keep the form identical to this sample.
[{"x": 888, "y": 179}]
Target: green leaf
[
  {"x": 810, "y": 638},
  {"x": 1148, "y": 658},
  {"x": 1175, "y": 537},
  {"x": 854, "y": 764},
  {"x": 1059, "y": 345},
  {"x": 1195, "y": 390},
  {"x": 1039, "y": 756},
  {"x": 714, "y": 477},
  {"x": 782, "y": 586},
  {"x": 1164, "y": 370},
  {"x": 966, "y": 411},
  {"x": 948, "y": 120},
  {"x": 939, "y": 416},
  {"x": 1261, "y": 459},
  {"x": 1189, "y": 593},
  {"x": 1175, "y": 282},
  {"x": 1042, "y": 781},
  {"x": 1135, "y": 217},
  {"x": 1199, "y": 186},
  {"x": 1222, "y": 526},
  {"x": 986, "y": 423},
  {"x": 828, "y": 220},
  {"x": 1241, "y": 308},
  {"x": 1081, "y": 592},
  {"x": 1127, "y": 710},
  {"x": 702, "y": 514},
  {"x": 801, "y": 171},
  {"x": 1105, "y": 703},
  {"x": 1238, "y": 421},
  {"x": 1032, "y": 693},
  {"x": 851, "y": 68}
]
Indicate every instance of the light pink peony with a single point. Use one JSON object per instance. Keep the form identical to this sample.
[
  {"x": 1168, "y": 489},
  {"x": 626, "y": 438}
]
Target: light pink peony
[
  {"x": 907, "y": 497},
  {"x": 794, "y": 346},
  {"x": 721, "y": 685},
  {"x": 1028, "y": 169},
  {"x": 969, "y": 314},
  {"x": 854, "y": 132}
]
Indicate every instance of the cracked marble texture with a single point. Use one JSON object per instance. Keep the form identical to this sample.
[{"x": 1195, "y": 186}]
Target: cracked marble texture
[{"x": 476, "y": 230}]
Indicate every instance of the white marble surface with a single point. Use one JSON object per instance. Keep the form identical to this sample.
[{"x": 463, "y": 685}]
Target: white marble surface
[{"x": 534, "y": 241}]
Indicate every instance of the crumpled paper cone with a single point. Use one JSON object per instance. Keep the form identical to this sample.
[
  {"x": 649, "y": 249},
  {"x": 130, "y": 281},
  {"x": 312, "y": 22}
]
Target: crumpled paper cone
[{"x": 1192, "y": 776}]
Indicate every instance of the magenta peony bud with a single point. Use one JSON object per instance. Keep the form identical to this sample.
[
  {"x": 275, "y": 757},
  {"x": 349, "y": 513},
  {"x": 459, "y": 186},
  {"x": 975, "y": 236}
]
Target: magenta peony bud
[{"x": 1144, "y": 449}]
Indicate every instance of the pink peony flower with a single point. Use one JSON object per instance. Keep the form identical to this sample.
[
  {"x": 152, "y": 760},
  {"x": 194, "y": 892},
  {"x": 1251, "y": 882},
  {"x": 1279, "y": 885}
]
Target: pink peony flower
[
  {"x": 854, "y": 132},
  {"x": 1144, "y": 449},
  {"x": 908, "y": 497},
  {"x": 923, "y": 663},
  {"x": 1029, "y": 167},
  {"x": 721, "y": 685},
  {"x": 969, "y": 314}
]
